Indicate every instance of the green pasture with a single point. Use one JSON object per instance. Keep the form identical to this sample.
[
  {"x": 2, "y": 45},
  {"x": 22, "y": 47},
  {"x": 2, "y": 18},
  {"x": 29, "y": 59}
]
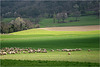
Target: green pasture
[
  {"x": 38, "y": 38},
  {"x": 48, "y": 22},
  {"x": 39, "y": 63},
  {"x": 78, "y": 56},
  {"x": 7, "y": 20},
  {"x": 83, "y": 21}
]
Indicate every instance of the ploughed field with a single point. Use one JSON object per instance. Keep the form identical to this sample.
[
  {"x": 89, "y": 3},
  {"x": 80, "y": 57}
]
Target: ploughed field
[{"x": 40, "y": 38}]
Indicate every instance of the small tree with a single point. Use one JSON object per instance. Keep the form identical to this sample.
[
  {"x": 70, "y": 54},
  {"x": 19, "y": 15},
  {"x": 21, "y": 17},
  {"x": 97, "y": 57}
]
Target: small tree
[
  {"x": 58, "y": 17},
  {"x": 37, "y": 26},
  {"x": 76, "y": 12},
  {"x": 63, "y": 16},
  {"x": 5, "y": 27},
  {"x": 54, "y": 17},
  {"x": 77, "y": 15}
]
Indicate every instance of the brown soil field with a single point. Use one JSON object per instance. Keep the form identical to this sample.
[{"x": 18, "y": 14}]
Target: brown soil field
[{"x": 74, "y": 28}]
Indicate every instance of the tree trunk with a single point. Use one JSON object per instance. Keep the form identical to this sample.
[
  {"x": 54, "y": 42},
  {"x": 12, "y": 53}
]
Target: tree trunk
[
  {"x": 76, "y": 18},
  {"x": 53, "y": 20},
  {"x": 63, "y": 20}
]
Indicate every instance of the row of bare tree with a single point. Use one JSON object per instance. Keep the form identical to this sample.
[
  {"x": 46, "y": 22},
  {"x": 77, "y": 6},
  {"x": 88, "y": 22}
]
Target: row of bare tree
[{"x": 64, "y": 15}]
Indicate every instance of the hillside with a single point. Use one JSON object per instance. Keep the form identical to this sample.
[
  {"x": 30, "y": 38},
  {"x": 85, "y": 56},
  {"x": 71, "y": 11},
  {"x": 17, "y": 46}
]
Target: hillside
[
  {"x": 40, "y": 38},
  {"x": 49, "y": 33}
]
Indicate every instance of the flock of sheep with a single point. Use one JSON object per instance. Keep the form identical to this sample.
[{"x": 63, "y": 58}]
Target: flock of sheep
[{"x": 5, "y": 51}]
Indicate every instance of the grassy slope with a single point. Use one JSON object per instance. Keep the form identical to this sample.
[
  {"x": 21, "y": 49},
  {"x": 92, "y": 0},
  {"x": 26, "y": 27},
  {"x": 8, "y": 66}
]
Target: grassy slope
[
  {"x": 37, "y": 38},
  {"x": 45, "y": 32},
  {"x": 71, "y": 41},
  {"x": 50, "y": 39}
]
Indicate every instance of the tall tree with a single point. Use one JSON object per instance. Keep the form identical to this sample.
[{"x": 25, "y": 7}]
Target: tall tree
[
  {"x": 76, "y": 11},
  {"x": 54, "y": 17}
]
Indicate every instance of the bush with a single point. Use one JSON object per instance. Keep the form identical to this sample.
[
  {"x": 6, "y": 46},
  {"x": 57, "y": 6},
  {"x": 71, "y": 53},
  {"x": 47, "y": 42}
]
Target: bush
[
  {"x": 17, "y": 25},
  {"x": 37, "y": 26}
]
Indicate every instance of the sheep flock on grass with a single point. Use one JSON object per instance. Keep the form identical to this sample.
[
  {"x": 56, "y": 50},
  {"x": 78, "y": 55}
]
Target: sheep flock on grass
[{"x": 5, "y": 51}]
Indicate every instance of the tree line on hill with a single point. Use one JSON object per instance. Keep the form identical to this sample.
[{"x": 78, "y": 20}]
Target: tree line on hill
[{"x": 26, "y": 9}]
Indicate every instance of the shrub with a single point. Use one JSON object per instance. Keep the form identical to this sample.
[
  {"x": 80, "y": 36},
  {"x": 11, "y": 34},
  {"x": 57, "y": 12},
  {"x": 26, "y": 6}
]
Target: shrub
[{"x": 37, "y": 26}]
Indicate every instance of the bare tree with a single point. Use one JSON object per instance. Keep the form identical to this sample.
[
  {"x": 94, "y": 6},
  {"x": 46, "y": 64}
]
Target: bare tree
[
  {"x": 54, "y": 17},
  {"x": 76, "y": 12},
  {"x": 61, "y": 16},
  {"x": 58, "y": 17}
]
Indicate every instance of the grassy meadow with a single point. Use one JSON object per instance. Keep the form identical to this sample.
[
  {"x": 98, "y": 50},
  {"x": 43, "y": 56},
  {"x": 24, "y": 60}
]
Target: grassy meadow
[
  {"x": 84, "y": 20},
  {"x": 39, "y": 38},
  {"x": 48, "y": 22},
  {"x": 39, "y": 63}
]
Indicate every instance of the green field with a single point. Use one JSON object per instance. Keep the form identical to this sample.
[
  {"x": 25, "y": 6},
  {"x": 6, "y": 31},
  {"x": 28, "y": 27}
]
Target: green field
[
  {"x": 78, "y": 56},
  {"x": 84, "y": 20},
  {"x": 48, "y": 22},
  {"x": 27, "y": 63},
  {"x": 38, "y": 38}
]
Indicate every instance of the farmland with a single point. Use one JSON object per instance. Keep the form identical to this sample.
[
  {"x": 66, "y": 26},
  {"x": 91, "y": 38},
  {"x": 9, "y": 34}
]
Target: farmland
[
  {"x": 39, "y": 38},
  {"x": 78, "y": 35},
  {"x": 48, "y": 22},
  {"x": 49, "y": 33}
]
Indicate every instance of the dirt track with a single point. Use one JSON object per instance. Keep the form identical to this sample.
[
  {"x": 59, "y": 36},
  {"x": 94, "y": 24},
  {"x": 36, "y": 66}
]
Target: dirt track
[{"x": 74, "y": 28}]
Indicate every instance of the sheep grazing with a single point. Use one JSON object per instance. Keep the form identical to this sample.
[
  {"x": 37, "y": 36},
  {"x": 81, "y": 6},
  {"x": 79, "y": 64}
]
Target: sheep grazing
[
  {"x": 78, "y": 49},
  {"x": 30, "y": 51},
  {"x": 69, "y": 53},
  {"x": 89, "y": 50},
  {"x": 16, "y": 51},
  {"x": 44, "y": 51},
  {"x": 0, "y": 53},
  {"x": 4, "y": 53},
  {"x": 19, "y": 52},
  {"x": 70, "y": 50},
  {"x": 62, "y": 49},
  {"x": 12, "y": 52},
  {"x": 39, "y": 50},
  {"x": 24, "y": 52},
  {"x": 11, "y": 49},
  {"x": 67, "y": 50},
  {"x": 26, "y": 49},
  {"x": 2, "y": 50},
  {"x": 34, "y": 50},
  {"x": 58, "y": 50},
  {"x": 73, "y": 49},
  {"x": 52, "y": 50},
  {"x": 9, "y": 52}
]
